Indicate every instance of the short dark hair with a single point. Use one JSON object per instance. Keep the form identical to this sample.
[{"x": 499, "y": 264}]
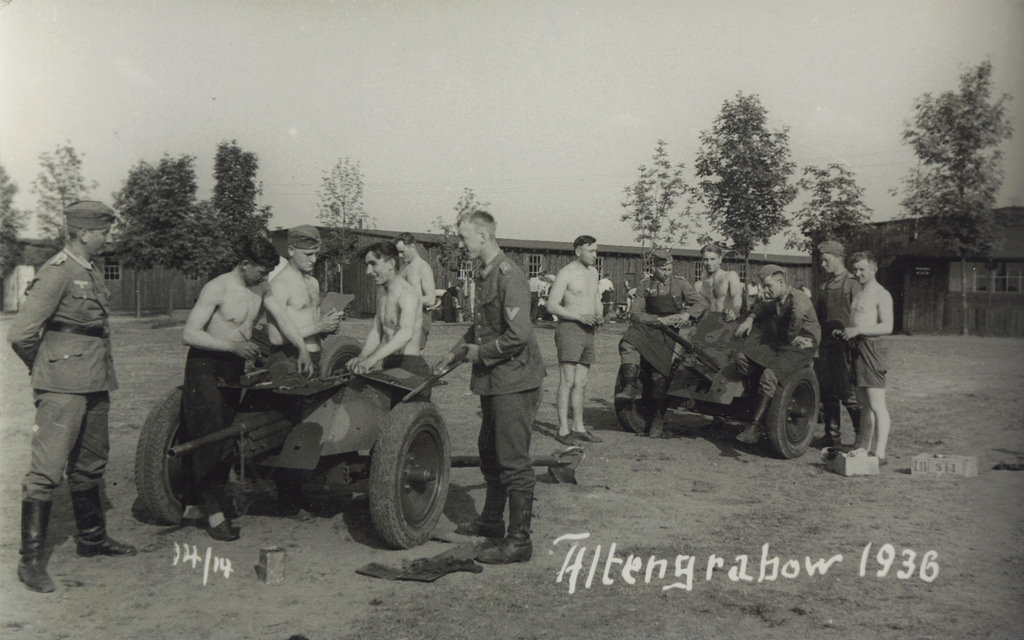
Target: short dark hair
[
  {"x": 405, "y": 238},
  {"x": 258, "y": 250},
  {"x": 713, "y": 247},
  {"x": 382, "y": 249},
  {"x": 864, "y": 255},
  {"x": 583, "y": 240}
]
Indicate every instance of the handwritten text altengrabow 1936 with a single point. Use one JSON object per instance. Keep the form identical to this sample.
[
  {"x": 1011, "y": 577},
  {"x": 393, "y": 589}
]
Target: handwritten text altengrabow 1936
[{"x": 632, "y": 569}]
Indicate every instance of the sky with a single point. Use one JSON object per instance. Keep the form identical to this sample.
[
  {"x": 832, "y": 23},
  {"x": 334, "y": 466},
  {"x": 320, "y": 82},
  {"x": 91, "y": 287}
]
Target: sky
[{"x": 545, "y": 109}]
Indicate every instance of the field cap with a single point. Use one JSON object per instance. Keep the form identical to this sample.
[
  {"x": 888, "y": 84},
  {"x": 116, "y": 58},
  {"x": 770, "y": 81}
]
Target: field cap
[
  {"x": 304, "y": 237},
  {"x": 89, "y": 214},
  {"x": 770, "y": 270},
  {"x": 833, "y": 247},
  {"x": 661, "y": 257}
]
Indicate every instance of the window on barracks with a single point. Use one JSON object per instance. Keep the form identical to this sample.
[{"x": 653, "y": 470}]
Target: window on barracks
[
  {"x": 465, "y": 270},
  {"x": 997, "y": 277},
  {"x": 534, "y": 265},
  {"x": 1008, "y": 277},
  {"x": 698, "y": 270},
  {"x": 111, "y": 269}
]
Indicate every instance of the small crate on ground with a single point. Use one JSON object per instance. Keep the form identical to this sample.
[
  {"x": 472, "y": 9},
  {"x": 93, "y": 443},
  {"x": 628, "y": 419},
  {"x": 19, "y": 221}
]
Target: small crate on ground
[{"x": 937, "y": 464}]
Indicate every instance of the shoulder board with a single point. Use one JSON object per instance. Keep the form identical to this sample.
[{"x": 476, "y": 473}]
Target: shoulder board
[
  {"x": 60, "y": 258},
  {"x": 504, "y": 267}
]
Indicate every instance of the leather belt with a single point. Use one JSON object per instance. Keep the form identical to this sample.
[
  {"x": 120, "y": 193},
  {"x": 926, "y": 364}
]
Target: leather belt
[{"x": 92, "y": 332}]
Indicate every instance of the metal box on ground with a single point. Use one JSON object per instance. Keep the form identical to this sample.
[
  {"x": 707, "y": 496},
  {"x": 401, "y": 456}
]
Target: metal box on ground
[
  {"x": 937, "y": 464},
  {"x": 852, "y": 463}
]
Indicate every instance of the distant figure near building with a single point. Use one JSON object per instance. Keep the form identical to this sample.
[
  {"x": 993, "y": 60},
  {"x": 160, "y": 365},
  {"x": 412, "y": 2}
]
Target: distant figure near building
[
  {"x": 722, "y": 289},
  {"x": 870, "y": 318},
  {"x": 833, "y": 366},
  {"x": 606, "y": 289},
  {"x": 575, "y": 299},
  {"x": 418, "y": 273},
  {"x": 295, "y": 289}
]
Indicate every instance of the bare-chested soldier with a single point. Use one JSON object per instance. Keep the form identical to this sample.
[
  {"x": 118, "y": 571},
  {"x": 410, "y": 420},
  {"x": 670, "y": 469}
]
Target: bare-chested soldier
[
  {"x": 219, "y": 334},
  {"x": 419, "y": 274},
  {"x": 295, "y": 289},
  {"x": 871, "y": 316},
  {"x": 722, "y": 288},
  {"x": 575, "y": 301},
  {"x": 398, "y": 320}
]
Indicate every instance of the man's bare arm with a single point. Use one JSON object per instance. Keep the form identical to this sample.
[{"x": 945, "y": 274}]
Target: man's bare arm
[
  {"x": 427, "y": 286},
  {"x": 735, "y": 292}
]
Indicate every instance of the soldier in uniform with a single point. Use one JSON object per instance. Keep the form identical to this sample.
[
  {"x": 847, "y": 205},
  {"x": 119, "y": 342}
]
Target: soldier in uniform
[
  {"x": 835, "y": 357},
  {"x": 789, "y": 337},
  {"x": 661, "y": 298},
  {"x": 61, "y": 333},
  {"x": 507, "y": 374}
]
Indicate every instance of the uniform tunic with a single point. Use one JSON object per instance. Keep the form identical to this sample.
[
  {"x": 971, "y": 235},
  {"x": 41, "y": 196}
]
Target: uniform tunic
[
  {"x": 659, "y": 299},
  {"x": 509, "y": 374},
  {"x": 834, "y": 360},
  {"x": 61, "y": 333},
  {"x": 781, "y": 321}
]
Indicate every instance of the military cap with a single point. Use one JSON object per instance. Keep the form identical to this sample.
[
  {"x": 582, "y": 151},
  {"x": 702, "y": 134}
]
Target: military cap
[
  {"x": 770, "y": 270},
  {"x": 89, "y": 214},
  {"x": 833, "y": 247},
  {"x": 661, "y": 257},
  {"x": 304, "y": 236}
]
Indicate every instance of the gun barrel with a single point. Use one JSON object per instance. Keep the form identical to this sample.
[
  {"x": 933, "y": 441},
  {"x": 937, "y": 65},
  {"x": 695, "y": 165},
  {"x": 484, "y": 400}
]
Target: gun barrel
[{"x": 246, "y": 423}]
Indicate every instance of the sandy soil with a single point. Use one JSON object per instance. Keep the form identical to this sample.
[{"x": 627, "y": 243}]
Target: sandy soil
[{"x": 955, "y": 542}]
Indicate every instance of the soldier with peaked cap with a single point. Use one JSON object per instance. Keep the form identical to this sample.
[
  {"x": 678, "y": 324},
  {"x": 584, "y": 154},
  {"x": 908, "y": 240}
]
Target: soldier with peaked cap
[
  {"x": 507, "y": 375},
  {"x": 835, "y": 356},
  {"x": 789, "y": 338},
  {"x": 61, "y": 333},
  {"x": 663, "y": 298}
]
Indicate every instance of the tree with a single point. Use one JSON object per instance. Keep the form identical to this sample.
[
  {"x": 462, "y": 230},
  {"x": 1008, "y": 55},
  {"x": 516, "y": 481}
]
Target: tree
[
  {"x": 341, "y": 208},
  {"x": 743, "y": 175},
  {"x": 956, "y": 137},
  {"x": 11, "y": 221},
  {"x": 651, "y": 204},
  {"x": 158, "y": 209},
  {"x": 835, "y": 210},
  {"x": 236, "y": 191},
  {"x": 58, "y": 184}
]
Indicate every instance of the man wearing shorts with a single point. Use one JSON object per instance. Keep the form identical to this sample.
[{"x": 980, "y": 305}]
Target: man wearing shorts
[
  {"x": 575, "y": 300},
  {"x": 418, "y": 273},
  {"x": 871, "y": 317}
]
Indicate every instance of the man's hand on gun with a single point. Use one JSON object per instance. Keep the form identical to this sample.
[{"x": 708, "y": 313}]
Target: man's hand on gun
[
  {"x": 458, "y": 355},
  {"x": 676, "y": 320},
  {"x": 305, "y": 364},
  {"x": 245, "y": 349}
]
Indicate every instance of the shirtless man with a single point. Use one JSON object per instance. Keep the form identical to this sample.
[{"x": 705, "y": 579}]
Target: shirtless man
[
  {"x": 219, "y": 334},
  {"x": 870, "y": 317},
  {"x": 399, "y": 316},
  {"x": 295, "y": 289},
  {"x": 722, "y": 288},
  {"x": 575, "y": 300},
  {"x": 419, "y": 274}
]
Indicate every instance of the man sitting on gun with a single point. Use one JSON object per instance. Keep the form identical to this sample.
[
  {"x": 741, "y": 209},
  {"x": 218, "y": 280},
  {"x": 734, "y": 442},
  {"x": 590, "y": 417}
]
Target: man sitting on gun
[
  {"x": 789, "y": 339},
  {"x": 665, "y": 299},
  {"x": 394, "y": 338}
]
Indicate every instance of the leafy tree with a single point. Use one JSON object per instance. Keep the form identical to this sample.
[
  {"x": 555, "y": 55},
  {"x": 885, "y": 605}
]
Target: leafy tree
[
  {"x": 11, "y": 222},
  {"x": 341, "y": 207},
  {"x": 236, "y": 191},
  {"x": 651, "y": 204},
  {"x": 158, "y": 209},
  {"x": 743, "y": 172},
  {"x": 451, "y": 251},
  {"x": 835, "y": 210},
  {"x": 956, "y": 137},
  {"x": 58, "y": 184}
]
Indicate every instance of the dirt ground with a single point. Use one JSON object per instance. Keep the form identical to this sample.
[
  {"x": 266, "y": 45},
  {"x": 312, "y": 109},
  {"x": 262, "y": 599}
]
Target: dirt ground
[{"x": 953, "y": 543}]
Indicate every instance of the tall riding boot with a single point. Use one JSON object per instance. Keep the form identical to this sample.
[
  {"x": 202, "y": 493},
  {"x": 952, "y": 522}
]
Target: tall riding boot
[
  {"x": 754, "y": 432},
  {"x": 491, "y": 523},
  {"x": 629, "y": 374},
  {"x": 35, "y": 518},
  {"x": 92, "y": 527},
  {"x": 658, "y": 407},
  {"x": 516, "y": 547}
]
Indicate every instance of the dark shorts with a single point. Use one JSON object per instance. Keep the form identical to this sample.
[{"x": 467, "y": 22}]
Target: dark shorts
[
  {"x": 575, "y": 343},
  {"x": 869, "y": 363}
]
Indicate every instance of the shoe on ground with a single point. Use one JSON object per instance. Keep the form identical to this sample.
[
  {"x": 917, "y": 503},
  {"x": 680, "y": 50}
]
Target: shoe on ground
[
  {"x": 224, "y": 532},
  {"x": 751, "y": 435},
  {"x": 568, "y": 439}
]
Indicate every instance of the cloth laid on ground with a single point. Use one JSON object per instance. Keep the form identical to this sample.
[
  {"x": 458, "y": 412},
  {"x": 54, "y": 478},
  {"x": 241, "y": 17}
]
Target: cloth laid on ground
[{"x": 427, "y": 569}]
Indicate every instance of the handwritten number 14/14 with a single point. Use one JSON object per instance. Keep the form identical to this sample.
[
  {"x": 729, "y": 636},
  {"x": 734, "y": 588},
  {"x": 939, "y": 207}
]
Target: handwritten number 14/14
[
  {"x": 886, "y": 557},
  {"x": 187, "y": 554}
]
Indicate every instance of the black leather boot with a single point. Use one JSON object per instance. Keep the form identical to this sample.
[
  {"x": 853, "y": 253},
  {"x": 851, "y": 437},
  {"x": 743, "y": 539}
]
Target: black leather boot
[
  {"x": 754, "y": 432},
  {"x": 92, "y": 527},
  {"x": 629, "y": 374},
  {"x": 491, "y": 523},
  {"x": 35, "y": 519},
  {"x": 657, "y": 429},
  {"x": 516, "y": 547},
  {"x": 832, "y": 418}
]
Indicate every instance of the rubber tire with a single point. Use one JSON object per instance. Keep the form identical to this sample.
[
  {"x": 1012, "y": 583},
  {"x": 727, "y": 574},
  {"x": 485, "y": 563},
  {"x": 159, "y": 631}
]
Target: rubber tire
[
  {"x": 159, "y": 479},
  {"x": 793, "y": 414},
  {"x": 337, "y": 351},
  {"x": 629, "y": 413},
  {"x": 404, "y": 515}
]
